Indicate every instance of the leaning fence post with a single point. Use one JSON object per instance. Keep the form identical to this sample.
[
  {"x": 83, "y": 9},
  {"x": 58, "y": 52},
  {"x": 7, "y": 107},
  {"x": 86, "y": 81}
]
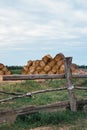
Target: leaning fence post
[{"x": 70, "y": 87}]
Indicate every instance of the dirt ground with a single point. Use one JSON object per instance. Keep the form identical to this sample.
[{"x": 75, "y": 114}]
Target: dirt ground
[{"x": 10, "y": 82}]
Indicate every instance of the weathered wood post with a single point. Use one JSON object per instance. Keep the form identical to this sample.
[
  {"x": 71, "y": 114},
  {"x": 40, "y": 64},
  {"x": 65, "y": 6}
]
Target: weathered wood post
[{"x": 70, "y": 87}]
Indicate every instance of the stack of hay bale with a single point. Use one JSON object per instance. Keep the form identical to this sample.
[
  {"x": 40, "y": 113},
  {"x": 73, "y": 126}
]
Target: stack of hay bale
[
  {"x": 47, "y": 65},
  {"x": 4, "y": 70}
]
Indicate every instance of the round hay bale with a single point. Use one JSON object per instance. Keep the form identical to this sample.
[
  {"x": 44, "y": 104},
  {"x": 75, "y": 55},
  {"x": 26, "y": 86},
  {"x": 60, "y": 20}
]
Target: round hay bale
[
  {"x": 42, "y": 72},
  {"x": 29, "y": 72},
  {"x": 47, "y": 68},
  {"x": 62, "y": 69},
  {"x": 59, "y": 63},
  {"x": 36, "y": 72},
  {"x": 42, "y": 64},
  {"x": 29, "y": 63},
  {"x": 8, "y": 72},
  {"x": 54, "y": 69},
  {"x": 76, "y": 71},
  {"x": 82, "y": 71},
  {"x": 58, "y": 72},
  {"x": 31, "y": 69},
  {"x": 52, "y": 63},
  {"x": 38, "y": 69},
  {"x": 1, "y": 72},
  {"x": 35, "y": 63},
  {"x": 73, "y": 67},
  {"x": 1, "y": 65},
  {"x": 26, "y": 68},
  {"x": 46, "y": 58},
  {"x": 50, "y": 72},
  {"x": 4, "y": 69},
  {"x": 23, "y": 71},
  {"x": 79, "y": 71},
  {"x": 59, "y": 57}
]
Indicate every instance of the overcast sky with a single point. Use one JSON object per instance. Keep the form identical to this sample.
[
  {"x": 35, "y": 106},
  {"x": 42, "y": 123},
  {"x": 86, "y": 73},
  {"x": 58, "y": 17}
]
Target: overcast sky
[{"x": 30, "y": 29}]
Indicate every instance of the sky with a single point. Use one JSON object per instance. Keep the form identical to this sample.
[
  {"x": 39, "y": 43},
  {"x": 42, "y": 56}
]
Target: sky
[{"x": 30, "y": 29}]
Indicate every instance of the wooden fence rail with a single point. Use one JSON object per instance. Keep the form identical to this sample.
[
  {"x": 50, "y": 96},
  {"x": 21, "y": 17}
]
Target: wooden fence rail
[
  {"x": 37, "y": 76},
  {"x": 29, "y": 94},
  {"x": 10, "y": 115}
]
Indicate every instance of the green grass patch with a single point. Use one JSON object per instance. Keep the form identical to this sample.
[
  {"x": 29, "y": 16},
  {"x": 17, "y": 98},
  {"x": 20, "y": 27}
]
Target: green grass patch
[
  {"x": 25, "y": 122},
  {"x": 18, "y": 71},
  {"x": 29, "y": 121}
]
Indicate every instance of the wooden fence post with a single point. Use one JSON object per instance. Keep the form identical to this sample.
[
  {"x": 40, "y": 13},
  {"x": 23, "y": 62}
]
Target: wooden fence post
[{"x": 70, "y": 87}]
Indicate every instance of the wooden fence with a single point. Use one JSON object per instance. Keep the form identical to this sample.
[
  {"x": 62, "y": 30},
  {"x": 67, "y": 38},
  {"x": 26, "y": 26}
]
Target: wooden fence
[{"x": 72, "y": 103}]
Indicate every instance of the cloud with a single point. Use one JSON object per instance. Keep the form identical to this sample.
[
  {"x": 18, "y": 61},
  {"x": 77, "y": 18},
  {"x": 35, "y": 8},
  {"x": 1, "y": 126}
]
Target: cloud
[
  {"x": 26, "y": 21},
  {"x": 49, "y": 24}
]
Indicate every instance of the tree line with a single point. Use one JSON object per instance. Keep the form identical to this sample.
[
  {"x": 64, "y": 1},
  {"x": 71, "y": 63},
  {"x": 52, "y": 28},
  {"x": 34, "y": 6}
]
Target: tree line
[
  {"x": 20, "y": 67},
  {"x": 83, "y": 66},
  {"x": 14, "y": 67}
]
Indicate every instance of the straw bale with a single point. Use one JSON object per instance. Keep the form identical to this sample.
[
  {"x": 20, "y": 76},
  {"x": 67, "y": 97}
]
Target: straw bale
[
  {"x": 1, "y": 72},
  {"x": 54, "y": 69},
  {"x": 62, "y": 69},
  {"x": 36, "y": 72},
  {"x": 42, "y": 64},
  {"x": 74, "y": 67},
  {"x": 1, "y": 65},
  {"x": 4, "y": 69},
  {"x": 31, "y": 69},
  {"x": 42, "y": 72},
  {"x": 38, "y": 69},
  {"x": 52, "y": 63},
  {"x": 59, "y": 63},
  {"x": 50, "y": 72},
  {"x": 59, "y": 57},
  {"x": 46, "y": 58},
  {"x": 47, "y": 68},
  {"x": 24, "y": 71},
  {"x": 34, "y": 63},
  {"x": 26, "y": 68},
  {"x": 29, "y": 63},
  {"x": 8, "y": 72}
]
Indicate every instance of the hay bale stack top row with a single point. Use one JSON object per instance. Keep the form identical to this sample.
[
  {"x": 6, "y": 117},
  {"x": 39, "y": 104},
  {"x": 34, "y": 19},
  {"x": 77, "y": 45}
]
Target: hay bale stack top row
[
  {"x": 4, "y": 70},
  {"x": 47, "y": 65}
]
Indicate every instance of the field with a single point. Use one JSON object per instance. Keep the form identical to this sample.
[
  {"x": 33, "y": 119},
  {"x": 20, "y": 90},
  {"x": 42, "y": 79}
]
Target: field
[{"x": 61, "y": 119}]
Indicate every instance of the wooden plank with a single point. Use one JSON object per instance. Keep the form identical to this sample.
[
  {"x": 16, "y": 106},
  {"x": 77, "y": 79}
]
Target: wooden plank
[
  {"x": 79, "y": 75},
  {"x": 81, "y": 88},
  {"x": 33, "y": 76},
  {"x": 29, "y": 94},
  {"x": 10, "y": 115},
  {"x": 32, "y": 109},
  {"x": 70, "y": 87},
  {"x": 39, "y": 76}
]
